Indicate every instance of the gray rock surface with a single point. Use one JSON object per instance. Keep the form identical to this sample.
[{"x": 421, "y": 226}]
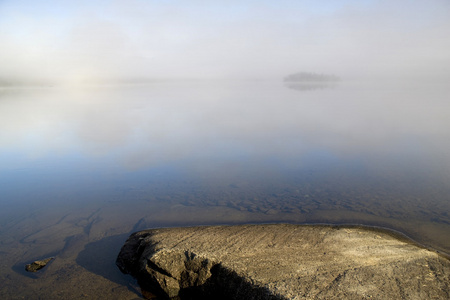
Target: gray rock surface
[{"x": 283, "y": 262}]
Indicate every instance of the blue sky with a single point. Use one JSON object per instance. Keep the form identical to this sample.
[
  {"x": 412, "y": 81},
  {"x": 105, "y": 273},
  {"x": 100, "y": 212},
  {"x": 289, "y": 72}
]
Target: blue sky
[{"x": 81, "y": 40}]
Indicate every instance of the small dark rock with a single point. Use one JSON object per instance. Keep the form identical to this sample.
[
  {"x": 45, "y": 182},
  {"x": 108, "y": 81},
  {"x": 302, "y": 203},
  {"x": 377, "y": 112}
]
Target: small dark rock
[{"x": 38, "y": 264}]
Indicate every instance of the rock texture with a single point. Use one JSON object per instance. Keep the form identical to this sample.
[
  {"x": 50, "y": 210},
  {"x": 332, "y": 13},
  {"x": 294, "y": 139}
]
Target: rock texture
[
  {"x": 283, "y": 262},
  {"x": 37, "y": 265}
]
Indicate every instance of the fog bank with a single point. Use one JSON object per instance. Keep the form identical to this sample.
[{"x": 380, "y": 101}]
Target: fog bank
[{"x": 63, "y": 42}]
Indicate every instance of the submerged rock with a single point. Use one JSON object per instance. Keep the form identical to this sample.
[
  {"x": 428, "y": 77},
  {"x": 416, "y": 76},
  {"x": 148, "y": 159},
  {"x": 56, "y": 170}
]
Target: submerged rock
[
  {"x": 282, "y": 262},
  {"x": 38, "y": 264}
]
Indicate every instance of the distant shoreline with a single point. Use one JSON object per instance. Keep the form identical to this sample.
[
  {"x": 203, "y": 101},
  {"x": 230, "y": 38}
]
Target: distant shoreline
[{"x": 309, "y": 77}]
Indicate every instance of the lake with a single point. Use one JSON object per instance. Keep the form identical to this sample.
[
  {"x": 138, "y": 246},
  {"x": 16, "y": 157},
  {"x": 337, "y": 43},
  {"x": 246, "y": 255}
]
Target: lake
[{"x": 83, "y": 167}]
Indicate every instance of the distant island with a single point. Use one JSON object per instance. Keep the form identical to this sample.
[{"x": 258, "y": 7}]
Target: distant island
[{"x": 310, "y": 77}]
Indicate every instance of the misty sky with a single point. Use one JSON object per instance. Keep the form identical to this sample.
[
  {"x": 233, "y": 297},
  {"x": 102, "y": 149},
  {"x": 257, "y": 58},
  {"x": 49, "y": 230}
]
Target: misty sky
[{"x": 76, "y": 41}]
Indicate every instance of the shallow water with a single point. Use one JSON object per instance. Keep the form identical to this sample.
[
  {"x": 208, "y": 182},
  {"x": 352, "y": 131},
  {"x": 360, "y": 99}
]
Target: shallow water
[{"x": 81, "y": 168}]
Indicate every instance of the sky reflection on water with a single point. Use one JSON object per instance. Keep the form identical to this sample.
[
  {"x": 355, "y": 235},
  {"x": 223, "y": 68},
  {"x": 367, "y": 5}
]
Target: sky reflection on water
[{"x": 160, "y": 123}]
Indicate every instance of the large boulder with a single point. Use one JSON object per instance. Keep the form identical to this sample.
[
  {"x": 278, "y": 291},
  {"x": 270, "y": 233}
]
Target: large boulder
[{"x": 283, "y": 262}]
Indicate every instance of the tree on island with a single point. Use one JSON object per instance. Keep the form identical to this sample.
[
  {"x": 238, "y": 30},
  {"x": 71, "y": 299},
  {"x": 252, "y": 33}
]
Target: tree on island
[{"x": 310, "y": 77}]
